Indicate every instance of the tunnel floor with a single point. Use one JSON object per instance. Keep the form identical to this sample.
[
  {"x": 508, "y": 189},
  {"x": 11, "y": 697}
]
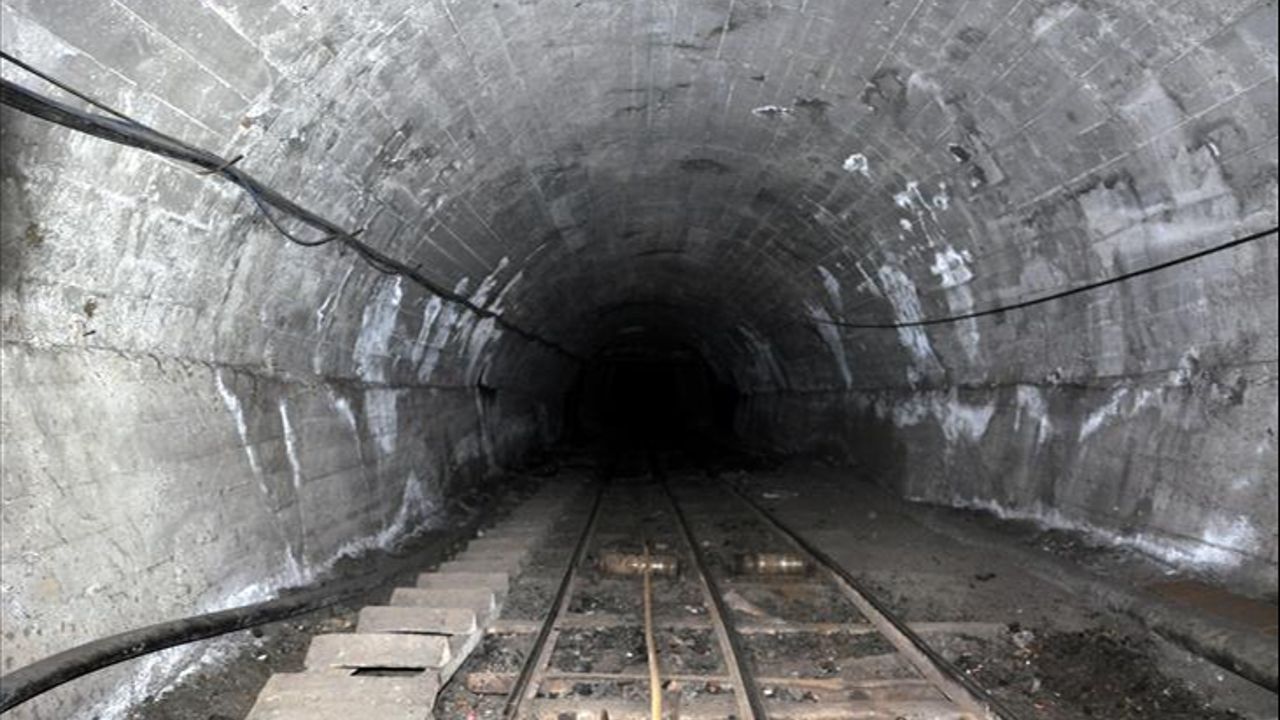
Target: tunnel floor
[{"x": 1001, "y": 601}]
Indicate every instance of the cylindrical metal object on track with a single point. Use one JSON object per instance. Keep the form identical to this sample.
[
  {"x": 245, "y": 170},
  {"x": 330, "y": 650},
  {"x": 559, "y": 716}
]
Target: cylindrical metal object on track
[
  {"x": 614, "y": 562},
  {"x": 771, "y": 564}
]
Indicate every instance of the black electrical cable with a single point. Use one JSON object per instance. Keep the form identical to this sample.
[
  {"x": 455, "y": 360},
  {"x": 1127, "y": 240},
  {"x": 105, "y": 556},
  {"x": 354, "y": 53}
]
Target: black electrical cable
[
  {"x": 41, "y": 676},
  {"x": 1057, "y": 295},
  {"x": 266, "y": 213},
  {"x": 156, "y": 142},
  {"x": 67, "y": 88},
  {"x": 127, "y": 131}
]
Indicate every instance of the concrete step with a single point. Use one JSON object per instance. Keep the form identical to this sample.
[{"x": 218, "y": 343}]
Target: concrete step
[
  {"x": 431, "y": 628},
  {"x": 530, "y": 526},
  {"x": 478, "y": 600},
  {"x": 496, "y": 582},
  {"x": 461, "y": 646},
  {"x": 389, "y": 651},
  {"x": 476, "y": 566},
  {"x": 421, "y": 620},
  {"x": 483, "y": 563},
  {"x": 514, "y": 535},
  {"x": 501, "y": 544},
  {"x": 539, "y": 512},
  {"x": 537, "y": 504},
  {"x": 338, "y": 695},
  {"x": 512, "y": 561}
]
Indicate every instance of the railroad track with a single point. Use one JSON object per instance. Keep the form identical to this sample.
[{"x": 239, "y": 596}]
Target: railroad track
[{"x": 730, "y": 645}]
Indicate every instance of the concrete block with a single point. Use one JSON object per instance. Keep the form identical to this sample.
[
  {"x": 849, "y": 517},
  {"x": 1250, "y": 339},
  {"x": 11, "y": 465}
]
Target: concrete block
[
  {"x": 497, "y": 582},
  {"x": 500, "y": 545},
  {"x": 480, "y": 601},
  {"x": 340, "y": 696},
  {"x": 511, "y": 562},
  {"x": 393, "y": 651},
  {"x": 420, "y": 620}
]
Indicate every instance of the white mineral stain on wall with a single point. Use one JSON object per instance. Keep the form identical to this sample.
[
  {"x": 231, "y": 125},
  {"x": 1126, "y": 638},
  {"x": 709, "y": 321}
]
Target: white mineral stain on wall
[
  {"x": 898, "y": 289},
  {"x": 419, "y": 509},
  {"x": 1051, "y": 17},
  {"x": 1031, "y": 403},
  {"x": 764, "y": 369},
  {"x": 439, "y": 321},
  {"x": 952, "y": 267},
  {"x": 293, "y": 555},
  {"x": 489, "y": 283},
  {"x": 322, "y": 312},
  {"x": 952, "y": 270},
  {"x": 962, "y": 420},
  {"x": 323, "y": 319},
  {"x": 942, "y": 201},
  {"x": 832, "y": 286},
  {"x": 857, "y": 163},
  {"x": 415, "y": 507},
  {"x": 479, "y": 338},
  {"x": 1188, "y": 366},
  {"x": 233, "y": 406},
  {"x": 1196, "y": 201},
  {"x": 157, "y": 674},
  {"x": 499, "y": 303},
  {"x": 431, "y": 310},
  {"x": 291, "y": 448},
  {"x": 1116, "y": 407},
  {"x": 771, "y": 111},
  {"x": 957, "y": 419},
  {"x": 343, "y": 407},
  {"x": 480, "y": 333},
  {"x": 466, "y": 448},
  {"x": 904, "y": 198},
  {"x": 831, "y": 337},
  {"x": 1099, "y": 417},
  {"x": 381, "y": 414},
  {"x": 486, "y": 440},
  {"x": 377, "y": 328},
  {"x": 1225, "y": 542},
  {"x": 923, "y": 210}
]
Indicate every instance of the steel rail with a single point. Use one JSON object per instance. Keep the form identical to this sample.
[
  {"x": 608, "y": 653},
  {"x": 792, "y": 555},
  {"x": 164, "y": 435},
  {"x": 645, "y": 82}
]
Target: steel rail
[
  {"x": 746, "y": 692},
  {"x": 958, "y": 687},
  {"x": 539, "y": 657}
]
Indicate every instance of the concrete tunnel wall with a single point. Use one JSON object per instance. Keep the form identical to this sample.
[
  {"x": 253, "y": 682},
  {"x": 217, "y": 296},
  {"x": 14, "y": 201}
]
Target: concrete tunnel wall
[{"x": 197, "y": 413}]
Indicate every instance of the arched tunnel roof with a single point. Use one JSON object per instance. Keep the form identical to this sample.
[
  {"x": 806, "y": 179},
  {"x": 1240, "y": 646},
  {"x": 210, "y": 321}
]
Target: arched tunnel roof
[
  {"x": 198, "y": 412},
  {"x": 757, "y": 168}
]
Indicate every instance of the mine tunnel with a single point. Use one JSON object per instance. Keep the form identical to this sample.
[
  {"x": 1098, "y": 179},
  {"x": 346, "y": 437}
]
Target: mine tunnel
[{"x": 551, "y": 358}]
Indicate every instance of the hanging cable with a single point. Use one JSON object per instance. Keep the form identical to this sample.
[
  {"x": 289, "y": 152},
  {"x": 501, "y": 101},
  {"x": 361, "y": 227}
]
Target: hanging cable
[
  {"x": 1057, "y": 295},
  {"x": 125, "y": 130},
  {"x": 68, "y": 89},
  {"x": 128, "y": 131}
]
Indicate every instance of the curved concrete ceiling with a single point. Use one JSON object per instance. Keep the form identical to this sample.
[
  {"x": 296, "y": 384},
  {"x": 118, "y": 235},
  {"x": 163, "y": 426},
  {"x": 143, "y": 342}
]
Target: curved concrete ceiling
[
  {"x": 734, "y": 174},
  {"x": 762, "y": 163}
]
